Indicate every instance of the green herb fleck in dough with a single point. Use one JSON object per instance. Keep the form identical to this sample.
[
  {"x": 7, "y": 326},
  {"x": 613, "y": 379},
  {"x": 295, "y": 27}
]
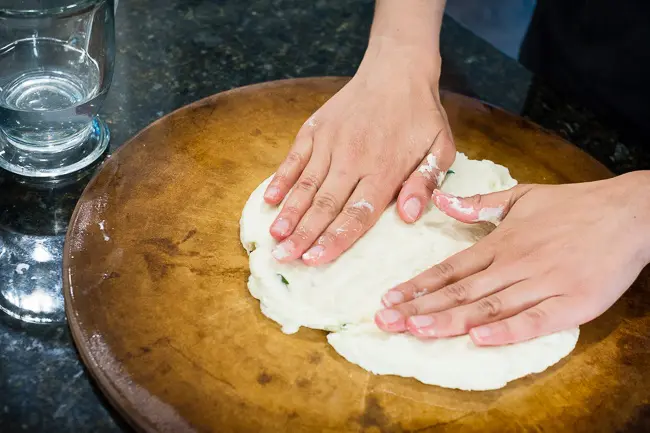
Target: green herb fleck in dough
[
  {"x": 284, "y": 280},
  {"x": 450, "y": 172}
]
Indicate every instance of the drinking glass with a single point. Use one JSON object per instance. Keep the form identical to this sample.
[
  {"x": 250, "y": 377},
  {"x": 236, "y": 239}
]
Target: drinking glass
[{"x": 56, "y": 66}]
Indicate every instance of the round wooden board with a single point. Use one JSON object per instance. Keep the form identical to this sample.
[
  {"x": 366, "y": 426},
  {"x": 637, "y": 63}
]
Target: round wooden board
[{"x": 155, "y": 286}]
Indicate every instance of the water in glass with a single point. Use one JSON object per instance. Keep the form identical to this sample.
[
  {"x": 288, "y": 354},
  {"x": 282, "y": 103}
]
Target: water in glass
[
  {"x": 53, "y": 104},
  {"x": 55, "y": 70}
]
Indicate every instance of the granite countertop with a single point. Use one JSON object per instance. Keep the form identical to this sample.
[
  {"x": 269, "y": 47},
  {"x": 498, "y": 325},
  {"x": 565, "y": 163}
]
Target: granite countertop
[{"x": 173, "y": 52}]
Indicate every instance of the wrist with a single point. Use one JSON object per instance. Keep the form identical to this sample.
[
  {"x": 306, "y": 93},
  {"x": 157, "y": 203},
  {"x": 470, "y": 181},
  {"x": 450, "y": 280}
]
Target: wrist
[
  {"x": 415, "y": 62},
  {"x": 411, "y": 23},
  {"x": 636, "y": 186},
  {"x": 405, "y": 35}
]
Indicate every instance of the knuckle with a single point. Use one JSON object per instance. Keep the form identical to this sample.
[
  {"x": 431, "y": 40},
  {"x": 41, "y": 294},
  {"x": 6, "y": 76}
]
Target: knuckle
[
  {"x": 490, "y": 306},
  {"x": 457, "y": 293},
  {"x": 308, "y": 183},
  {"x": 443, "y": 271},
  {"x": 476, "y": 201},
  {"x": 327, "y": 238},
  {"x": 408, "y": 288},
  {"x": 360, "y": 214},
  {"x": 345, "y": 173},
  {"x": 409, "y": 309},
  {"x": 307, "y": 126},
  {"x": 290, "y": 210},
  {"x": 535, "y": 317},
  {"x": 293, "y": 158},
  {"x": 302, "y": 234},
  {"x": 326, "y": 203},
  {"x": 446, "y": 144},
  {"x": 355, "y": 147},
  {"x": 428, "y": 179},
  {"x": 504, "y": 328},
  {"x": 383, "y": 160},
  {"x": 507, "y": 240},
  {"x": 279, "y": 179}
]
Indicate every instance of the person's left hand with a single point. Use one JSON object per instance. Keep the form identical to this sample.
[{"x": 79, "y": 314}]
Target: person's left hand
[{"x": 561, "y": 257}]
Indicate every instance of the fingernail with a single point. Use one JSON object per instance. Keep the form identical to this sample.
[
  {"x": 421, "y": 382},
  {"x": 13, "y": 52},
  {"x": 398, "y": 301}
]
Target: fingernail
[
  {"x": 314, "y": 253},
  {"x": 388, "y": 317},
  {"x": 281, "y": 226},
  {"x": 272, "y": 192},
  {"x": 391, "y": 298},
  {"x": 482, "y": 332},
  {"x": 421, "y": 321},
  {"x": 421, "y": 326},
  {"x": 283, "y": 250},
  {"x": 412, "y": 208}
]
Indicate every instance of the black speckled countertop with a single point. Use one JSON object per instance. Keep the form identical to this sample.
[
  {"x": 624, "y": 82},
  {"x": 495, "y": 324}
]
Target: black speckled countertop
[{"x": 173, "y": 52}]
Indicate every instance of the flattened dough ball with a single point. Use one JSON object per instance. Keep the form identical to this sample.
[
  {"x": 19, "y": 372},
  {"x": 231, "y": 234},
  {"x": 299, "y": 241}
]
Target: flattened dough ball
[{"x": 343, "y": 296}]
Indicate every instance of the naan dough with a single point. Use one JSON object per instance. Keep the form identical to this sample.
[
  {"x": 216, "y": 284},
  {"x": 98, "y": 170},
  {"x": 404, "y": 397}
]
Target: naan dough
[{"x": 343, "y": 296}]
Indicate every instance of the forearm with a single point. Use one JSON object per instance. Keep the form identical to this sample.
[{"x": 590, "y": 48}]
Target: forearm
[
  {"x": 408, "y": 31},
  {"x": 410, "y": 23}
]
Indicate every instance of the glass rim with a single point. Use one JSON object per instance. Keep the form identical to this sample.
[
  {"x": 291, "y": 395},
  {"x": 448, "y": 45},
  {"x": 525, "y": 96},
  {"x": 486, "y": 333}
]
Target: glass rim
[{"x": 61, "y": 10}]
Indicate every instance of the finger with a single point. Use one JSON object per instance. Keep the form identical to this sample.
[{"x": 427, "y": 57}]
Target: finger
[
  {"x": 301, "y": 197},
  {"x": 327, "y": 204},
  {"x": 496, "y": 306},
  {"x": 417, "y": 190},
  {"x": 462, "y": 292},
  {"x": 290, "y": 169},
  {"x": 361, "y": 212},
  {"x": 463, "y": 264},
  {"x": 552, "y": 315},
  {"x": 481, "y": 207}
]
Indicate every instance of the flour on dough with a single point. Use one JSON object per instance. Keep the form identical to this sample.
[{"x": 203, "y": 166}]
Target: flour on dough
[{"x": 343, "y": 296}]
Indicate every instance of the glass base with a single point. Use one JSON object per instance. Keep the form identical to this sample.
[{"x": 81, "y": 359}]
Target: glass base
[
  {"x": 33, "y": 164},
  {"x": 31, "y": 277}
]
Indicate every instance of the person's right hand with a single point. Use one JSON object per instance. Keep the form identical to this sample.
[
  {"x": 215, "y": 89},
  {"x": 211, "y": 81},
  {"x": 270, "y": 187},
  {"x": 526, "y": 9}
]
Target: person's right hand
[{"x": 385, "y": 130}]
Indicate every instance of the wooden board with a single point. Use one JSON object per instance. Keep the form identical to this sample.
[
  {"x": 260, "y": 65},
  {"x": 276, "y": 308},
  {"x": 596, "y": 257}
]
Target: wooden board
[{"x": 155, "y": 287}]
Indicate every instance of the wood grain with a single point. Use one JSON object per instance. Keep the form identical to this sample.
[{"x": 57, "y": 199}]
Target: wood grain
[{"x": 158, "y": 305}]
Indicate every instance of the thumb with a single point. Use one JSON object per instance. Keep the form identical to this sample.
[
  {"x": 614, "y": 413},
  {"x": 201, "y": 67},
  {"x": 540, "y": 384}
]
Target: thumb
[
  {"x": 481, "y": 207},
  {"x": 416, "y": 191}
]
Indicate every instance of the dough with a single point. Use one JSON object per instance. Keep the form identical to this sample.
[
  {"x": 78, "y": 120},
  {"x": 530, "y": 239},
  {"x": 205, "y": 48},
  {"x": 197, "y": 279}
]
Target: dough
[{"x": 343, "y": 296}]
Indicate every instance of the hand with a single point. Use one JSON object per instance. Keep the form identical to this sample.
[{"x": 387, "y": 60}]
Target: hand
[
  {"x": 385, "y": 127},
  {"x": 560, "y": 258}
]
